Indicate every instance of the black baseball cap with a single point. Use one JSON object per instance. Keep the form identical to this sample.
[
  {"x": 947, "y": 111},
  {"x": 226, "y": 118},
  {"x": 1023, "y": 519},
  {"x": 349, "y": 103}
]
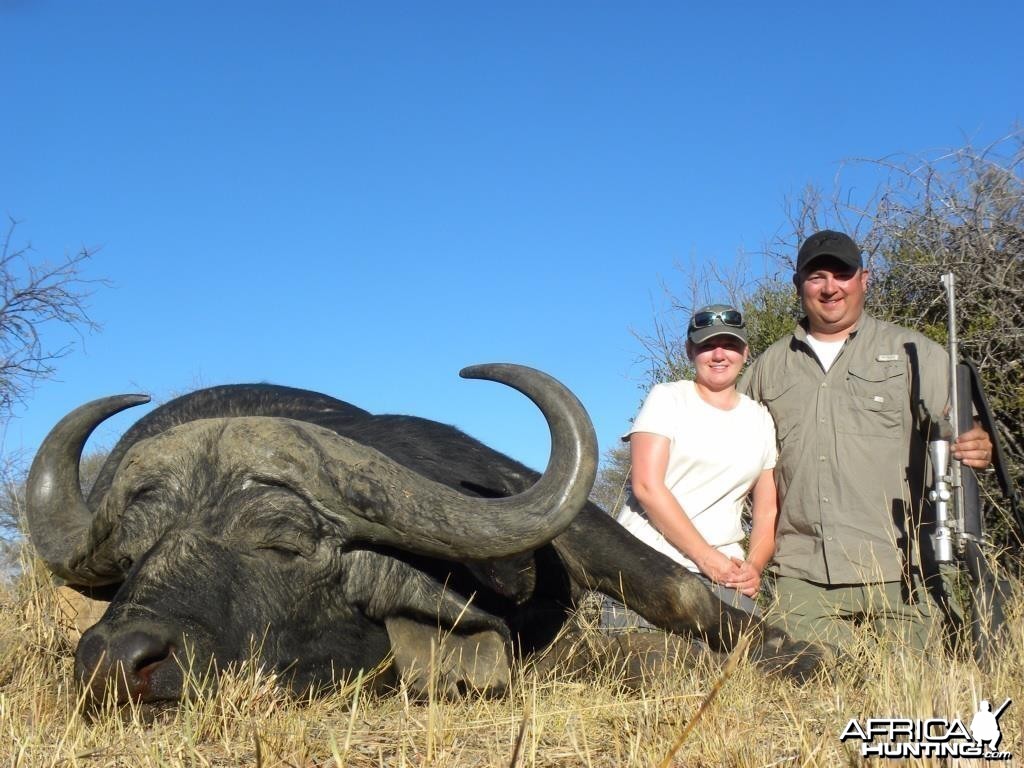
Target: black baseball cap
[{"x": 829, "y": 243}]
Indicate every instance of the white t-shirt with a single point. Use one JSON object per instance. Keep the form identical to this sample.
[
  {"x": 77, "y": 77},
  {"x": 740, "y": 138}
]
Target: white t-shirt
[
  {"x": 826, "y": 351},
  {"x": 715, "y": 457}
]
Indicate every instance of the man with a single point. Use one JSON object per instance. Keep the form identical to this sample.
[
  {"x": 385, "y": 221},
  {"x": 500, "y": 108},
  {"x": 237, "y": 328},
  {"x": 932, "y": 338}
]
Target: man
[{"x": 855, "y": 401}]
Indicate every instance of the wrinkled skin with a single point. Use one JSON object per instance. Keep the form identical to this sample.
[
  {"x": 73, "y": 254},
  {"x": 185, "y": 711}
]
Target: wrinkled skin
[
  {"x": 226, "y": 546},
  {"x": 268, "y": 575}
]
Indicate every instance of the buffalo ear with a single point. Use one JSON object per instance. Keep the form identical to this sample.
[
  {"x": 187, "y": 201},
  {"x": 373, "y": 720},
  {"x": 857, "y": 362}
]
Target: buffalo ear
[{"x": 448, "y": 662}]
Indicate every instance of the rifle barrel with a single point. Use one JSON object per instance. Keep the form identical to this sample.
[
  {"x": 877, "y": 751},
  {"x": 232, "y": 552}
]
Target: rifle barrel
[{"x": 948, "y": 281}]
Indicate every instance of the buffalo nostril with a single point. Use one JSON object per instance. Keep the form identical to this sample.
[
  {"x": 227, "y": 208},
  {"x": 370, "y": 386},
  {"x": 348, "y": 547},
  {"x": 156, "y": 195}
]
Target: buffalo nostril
[
  {"x": 141, "y": 652},
  {"x": 123, "y": 664}
]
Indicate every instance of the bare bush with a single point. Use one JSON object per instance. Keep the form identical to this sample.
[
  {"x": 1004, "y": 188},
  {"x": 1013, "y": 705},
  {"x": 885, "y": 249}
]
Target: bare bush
[
  {"x": 34, "y": 294},
  {"x": 612, "y": 485}
]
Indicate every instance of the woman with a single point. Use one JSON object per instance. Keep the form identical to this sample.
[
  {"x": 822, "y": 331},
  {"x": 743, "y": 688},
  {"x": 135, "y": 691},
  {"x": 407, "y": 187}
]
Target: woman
[{"x": 698, "y": 449}]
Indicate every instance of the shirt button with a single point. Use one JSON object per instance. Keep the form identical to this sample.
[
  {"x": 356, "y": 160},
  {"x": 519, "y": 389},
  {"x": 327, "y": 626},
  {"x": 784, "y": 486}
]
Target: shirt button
[
  {"x": 825, "y": 499},
  {"x": 823, "y": 385},
  {"x": 828, "y": 538},
  {"x": 821, "y": 458}
]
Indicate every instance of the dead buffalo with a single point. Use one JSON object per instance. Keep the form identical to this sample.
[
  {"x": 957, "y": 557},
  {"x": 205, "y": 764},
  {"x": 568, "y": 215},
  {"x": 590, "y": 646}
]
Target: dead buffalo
[{"x": 259, "y": 518}]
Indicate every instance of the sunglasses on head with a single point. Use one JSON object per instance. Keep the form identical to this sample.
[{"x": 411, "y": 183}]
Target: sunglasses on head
[{"x": 730, "y": 317}]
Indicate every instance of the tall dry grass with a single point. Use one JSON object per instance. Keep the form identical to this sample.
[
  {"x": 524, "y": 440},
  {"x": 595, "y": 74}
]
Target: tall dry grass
[{"x": 550, "y": 719}]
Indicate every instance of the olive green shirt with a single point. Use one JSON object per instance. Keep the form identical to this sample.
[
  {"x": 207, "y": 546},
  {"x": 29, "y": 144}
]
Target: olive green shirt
[{"x": 852, "y": 468}]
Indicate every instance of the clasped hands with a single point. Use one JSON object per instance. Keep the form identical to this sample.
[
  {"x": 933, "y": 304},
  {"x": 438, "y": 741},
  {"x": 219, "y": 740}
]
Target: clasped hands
[{"x": 731, "y": 572}]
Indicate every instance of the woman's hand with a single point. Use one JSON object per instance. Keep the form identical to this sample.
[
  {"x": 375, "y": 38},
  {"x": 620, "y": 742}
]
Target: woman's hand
[
  {"x": 748, "y": 581},
  {"x": 720, "y": 568}
]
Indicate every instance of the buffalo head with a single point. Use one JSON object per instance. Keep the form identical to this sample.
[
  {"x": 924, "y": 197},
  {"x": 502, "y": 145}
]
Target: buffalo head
[{"x": 229, "y": 532}]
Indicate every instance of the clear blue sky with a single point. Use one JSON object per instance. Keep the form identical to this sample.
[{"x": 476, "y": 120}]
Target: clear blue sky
[{"x": 361, "y": 198}]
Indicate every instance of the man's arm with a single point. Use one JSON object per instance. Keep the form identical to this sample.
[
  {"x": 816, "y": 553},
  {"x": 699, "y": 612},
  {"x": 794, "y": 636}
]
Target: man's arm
[
  {"x": 764, "y": 514},
  {"x": 749, "y": 383}
]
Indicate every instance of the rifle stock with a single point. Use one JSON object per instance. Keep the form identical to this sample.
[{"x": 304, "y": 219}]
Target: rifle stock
[{"x": 986, "y": 596}]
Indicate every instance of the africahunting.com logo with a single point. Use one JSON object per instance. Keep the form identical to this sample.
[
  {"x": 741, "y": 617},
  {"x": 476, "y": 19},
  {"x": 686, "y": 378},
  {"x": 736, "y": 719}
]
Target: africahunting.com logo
[{"x": 901, "y": 737}]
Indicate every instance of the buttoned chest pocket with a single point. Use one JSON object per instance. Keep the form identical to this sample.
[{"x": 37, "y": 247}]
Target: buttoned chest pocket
[{"x": 876, "y": 394}]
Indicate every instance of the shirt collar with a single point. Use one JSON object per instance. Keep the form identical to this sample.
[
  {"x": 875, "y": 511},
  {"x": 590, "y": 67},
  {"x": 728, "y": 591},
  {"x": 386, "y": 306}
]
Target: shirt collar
[{"x": 865, "y": 322}]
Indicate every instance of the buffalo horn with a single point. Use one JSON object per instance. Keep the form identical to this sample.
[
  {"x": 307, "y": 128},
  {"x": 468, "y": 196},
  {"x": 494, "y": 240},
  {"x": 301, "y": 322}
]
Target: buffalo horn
[
  {"x": 431, "y": 519},
  {"x": 59, "y": 520}
]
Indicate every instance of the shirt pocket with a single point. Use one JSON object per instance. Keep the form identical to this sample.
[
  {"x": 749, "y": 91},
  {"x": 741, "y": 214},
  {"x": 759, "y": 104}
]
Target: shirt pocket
[{"x": 875, "y": 396}]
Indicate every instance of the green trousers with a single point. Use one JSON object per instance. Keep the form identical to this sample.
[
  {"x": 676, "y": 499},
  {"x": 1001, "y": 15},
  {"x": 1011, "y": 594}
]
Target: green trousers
[{"x": 829, "y": 612}]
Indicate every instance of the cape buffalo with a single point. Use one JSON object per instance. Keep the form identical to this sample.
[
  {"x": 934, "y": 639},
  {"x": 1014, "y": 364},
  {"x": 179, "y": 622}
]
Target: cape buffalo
[{"x": 263, "y": 519}]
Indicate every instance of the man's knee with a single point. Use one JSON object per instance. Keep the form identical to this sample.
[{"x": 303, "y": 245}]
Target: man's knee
[
  {"x": 811, "y": 612},
  {"x": 907, "y": 616}
]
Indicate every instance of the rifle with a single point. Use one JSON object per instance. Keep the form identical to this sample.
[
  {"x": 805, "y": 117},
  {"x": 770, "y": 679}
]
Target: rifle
[{"x": 959, "y": 535}]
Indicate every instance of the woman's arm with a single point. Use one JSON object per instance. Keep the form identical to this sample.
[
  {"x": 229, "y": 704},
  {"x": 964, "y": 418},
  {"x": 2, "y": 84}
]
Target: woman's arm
[{"x": 649, "y": 453}]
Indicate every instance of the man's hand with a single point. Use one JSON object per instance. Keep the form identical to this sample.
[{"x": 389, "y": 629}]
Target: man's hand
[{"x": 974, "y": 448}]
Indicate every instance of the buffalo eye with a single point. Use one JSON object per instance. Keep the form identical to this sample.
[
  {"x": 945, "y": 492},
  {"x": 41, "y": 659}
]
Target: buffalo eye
[
  {"x": 146, "y": 494},
  {"x": 286, "y": 550},
  {"x": 281, "y": 550}
]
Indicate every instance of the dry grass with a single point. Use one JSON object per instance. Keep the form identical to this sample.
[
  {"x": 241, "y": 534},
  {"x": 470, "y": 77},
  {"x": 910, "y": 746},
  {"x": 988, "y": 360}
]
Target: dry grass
[{"x": 543, "y": 721}]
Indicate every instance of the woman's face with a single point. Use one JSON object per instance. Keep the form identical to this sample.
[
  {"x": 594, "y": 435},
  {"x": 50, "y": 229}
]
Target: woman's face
[{"x": 718, "y": 361}]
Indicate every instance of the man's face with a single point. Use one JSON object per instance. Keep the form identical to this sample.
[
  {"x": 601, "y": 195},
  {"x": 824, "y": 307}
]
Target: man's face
[{"x": 833, "y": 296}]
